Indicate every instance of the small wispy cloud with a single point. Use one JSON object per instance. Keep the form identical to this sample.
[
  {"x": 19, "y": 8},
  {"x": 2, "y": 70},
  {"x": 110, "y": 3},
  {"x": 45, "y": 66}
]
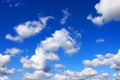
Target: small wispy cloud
[
  {"x": 100, "y": 40},
  {"x": 65, "y": 17}
]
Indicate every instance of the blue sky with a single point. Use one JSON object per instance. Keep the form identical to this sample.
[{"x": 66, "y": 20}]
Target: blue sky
[{"x": 59, "y": 40}]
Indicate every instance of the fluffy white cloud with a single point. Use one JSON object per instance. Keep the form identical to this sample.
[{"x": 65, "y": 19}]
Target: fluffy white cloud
[
  {"x": 66, "y": 15},
  {"x": 36, "y": 62},
  {"x": 13, "y": 51},
  {"x": 28, "y": 29},
  {"x": 4, "y": 78},
  {"x": 37, "y": 75},
  {"x": 4, "y": 59},
  {"x": 57, "y": 66},
  {"x": 71, "y": 75},
  {"x": 45, "y": 51},
  {"x": 108, "y": 59},
  {"x": 5, "y": 71},
  {"x": 108, "y": 10},
  {"x": 100, "y": 40},
  {"x": 60, "y": 39},
  {"x": 103, "y": 76}
]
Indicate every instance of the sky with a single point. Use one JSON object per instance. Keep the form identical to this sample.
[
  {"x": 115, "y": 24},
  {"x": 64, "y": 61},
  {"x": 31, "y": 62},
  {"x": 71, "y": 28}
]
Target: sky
[{"x": 59, "y": 40}]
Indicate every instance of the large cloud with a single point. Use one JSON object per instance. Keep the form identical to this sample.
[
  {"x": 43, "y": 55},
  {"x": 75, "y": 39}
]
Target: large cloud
[
  {"x": 46, "y": 51},
  {"x": 71, "y": 75},
  {"x": 28, "y": 29},
  {"x": 60, "y": 39},
  {"x": 37, "y": 75},
  {"x": 108, "y": 10}
]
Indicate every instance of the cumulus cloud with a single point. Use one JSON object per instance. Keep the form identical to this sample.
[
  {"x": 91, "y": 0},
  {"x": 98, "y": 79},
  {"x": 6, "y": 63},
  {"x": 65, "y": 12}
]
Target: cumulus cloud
[
  {"x": 100, "y": 40},
  {"x": 57, "y": 66},
  {"x": 4, "y": 60},
  {"x": 47, "y": 48},
  {"x": 4, "y": 78},
  {"x": 37, "y": 75},
  {"x": 66, "y": 15},
  {"x": 71, "y": 75},
  {"x": 107, "y": 10},
  {"x": 60, "y": 39},
  {"x": 13, "y": 51},
  {"x": 28, "y": 29},
  {"x": 110, "y": 60},
  {"x": 46, "y": 51}
]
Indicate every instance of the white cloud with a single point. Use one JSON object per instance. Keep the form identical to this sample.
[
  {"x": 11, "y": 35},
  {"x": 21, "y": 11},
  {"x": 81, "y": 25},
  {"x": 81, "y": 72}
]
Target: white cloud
[
  {"x": 4, "y": 59},
  {"x": 66, "y": 15},
  {"x": 13, "y": 51},
  {"x": 57, "y": 66},
  {"x": 108, "y": 10},
  {"x": 46, "y": 50},
  {"x": 60, "y": 39},
  {"x": 37, "y": 75},
  {"x": 28, "y": 29},
  {"x": 52, "y": 57},
  {"x": 71, "y": 75},
  {"x": 108, "y": 60},
  {"x": 100, "y": 40},
  {"x": 5, "y": 71},
  {"x": 36, "y": 62},
  {"x": 4, "y": 78},
  {"x": 103, "y": 76}
]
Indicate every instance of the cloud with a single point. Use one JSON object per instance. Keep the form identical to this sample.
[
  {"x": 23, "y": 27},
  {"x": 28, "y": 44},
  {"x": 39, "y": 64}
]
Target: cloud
[
  {"x": 5, "y": 71},
  {"x": 13, "y": 51},
  {"x": 103, "y": 76},
  {"x": 71, "y": 75},
  {"x": 4, "y": 78},
  {"x": 57, "y": 66},
  {"x": 107, "y": 10},
  {"x": 46, "y": 51},
  {"x": 60, "y": 39},
  {"x": 100, "y": 40},
  {"x": 11, "y": 3},
  {"x": 4, "y": 60},
  {"x": 28, "y": 29},
  {"x": 47, "y": 48},
  {"x": 66, "y": 15},
  {"x": 37, "y": 75},
  {"x": 109, "y": 60}
]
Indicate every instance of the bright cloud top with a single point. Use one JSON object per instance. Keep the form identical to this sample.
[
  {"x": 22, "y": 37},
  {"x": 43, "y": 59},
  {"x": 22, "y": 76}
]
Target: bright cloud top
[
  {"x": 28, "y": 29},
  {"x": 47, "y": 51},
  {"x": 108, "y": 10}
]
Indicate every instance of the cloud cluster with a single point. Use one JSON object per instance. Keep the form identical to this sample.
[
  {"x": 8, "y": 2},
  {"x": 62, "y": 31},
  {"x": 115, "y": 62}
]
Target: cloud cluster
[
  {"x": 4, "y": 60},
  {"x": 111, "y": 60},
  {"x": 71, "y": 75},
  {"x": 108, "y": 10},
  {"x": 46, "y": 51},
  {"x": 28, "y": 29}
]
